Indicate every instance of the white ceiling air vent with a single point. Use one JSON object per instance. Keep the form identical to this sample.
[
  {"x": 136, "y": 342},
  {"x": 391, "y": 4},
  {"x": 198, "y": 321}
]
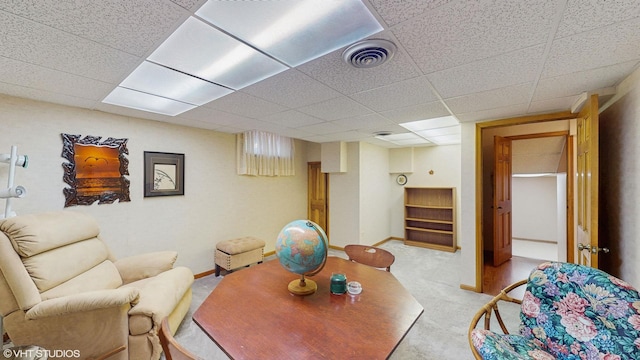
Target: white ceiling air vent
[
  {"x": 369, "y": 53},
  {"x": 382, "y": 133}
]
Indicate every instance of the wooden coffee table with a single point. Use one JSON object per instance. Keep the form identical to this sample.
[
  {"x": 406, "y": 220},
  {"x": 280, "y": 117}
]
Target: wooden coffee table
[{"x": 252, "y": 315}]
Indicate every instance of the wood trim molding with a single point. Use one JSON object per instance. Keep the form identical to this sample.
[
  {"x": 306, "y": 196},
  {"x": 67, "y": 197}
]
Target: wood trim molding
[
  {"x": 203, "y": 274},
  {"x": 469, "y": 288}
]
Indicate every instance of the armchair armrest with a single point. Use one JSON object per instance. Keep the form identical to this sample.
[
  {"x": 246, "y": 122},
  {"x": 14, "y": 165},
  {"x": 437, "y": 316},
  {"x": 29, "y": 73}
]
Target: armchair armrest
[
  {"x": 87, "y": 301},
  {"x": 143, "y": 266},
  {"x": 492, "y": 307}
]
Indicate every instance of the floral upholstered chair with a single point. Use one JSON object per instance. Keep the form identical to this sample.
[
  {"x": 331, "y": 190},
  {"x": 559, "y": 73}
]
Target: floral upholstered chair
[{"x": 568, "y": 311}]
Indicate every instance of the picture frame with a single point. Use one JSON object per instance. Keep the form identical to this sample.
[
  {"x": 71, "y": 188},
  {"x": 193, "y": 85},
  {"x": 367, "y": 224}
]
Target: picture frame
[
  {"x": 95, "y": 170},
  {"x": 163, "y": 174}
]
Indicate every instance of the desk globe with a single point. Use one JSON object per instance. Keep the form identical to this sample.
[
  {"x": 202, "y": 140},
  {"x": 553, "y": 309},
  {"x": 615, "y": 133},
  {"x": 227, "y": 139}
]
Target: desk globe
[{"x": 302, "y": 248}]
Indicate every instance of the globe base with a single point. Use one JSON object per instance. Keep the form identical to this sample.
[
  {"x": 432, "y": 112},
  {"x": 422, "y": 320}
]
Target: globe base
[{"x": 302, "y": 287}]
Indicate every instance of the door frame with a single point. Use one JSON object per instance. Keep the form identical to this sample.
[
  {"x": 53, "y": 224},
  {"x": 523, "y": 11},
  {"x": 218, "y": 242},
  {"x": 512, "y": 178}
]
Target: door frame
[
  {"x": 326, "y": 200},
  {"x": 565, "y": 115}
]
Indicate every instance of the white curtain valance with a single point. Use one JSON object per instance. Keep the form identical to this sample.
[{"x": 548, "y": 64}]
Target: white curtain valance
[{"x": 262, "y": 153}]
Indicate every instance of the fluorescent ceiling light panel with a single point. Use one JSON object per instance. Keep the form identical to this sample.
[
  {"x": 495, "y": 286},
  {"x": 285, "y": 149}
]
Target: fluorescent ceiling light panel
[
  {"x": 158, "y": 80},
  {"x": 203, "y": 51},
  {"x": 404, "y": 139},
  {"x": 293, "y": 31},
  {"x": 431, "y": 123},
  {"x": 445, "y": 139},
  {"x": 440, "y": 131},
  {"x": 146, "y": 102},
  {"x": 449, "y": 130}
]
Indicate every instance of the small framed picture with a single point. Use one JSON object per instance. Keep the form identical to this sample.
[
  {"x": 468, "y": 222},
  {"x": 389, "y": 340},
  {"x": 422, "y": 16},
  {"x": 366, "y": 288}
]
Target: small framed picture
[{"x": 163, "y": 174}]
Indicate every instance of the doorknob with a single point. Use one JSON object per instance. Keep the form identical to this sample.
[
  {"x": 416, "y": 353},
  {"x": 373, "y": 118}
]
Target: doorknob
[
  {"x": 582, "y": 246},
  {"x": 595, "y": 249}
]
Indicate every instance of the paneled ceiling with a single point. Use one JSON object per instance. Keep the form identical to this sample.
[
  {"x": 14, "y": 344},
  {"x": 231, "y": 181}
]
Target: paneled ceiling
[{"x": 474, "y": 59}]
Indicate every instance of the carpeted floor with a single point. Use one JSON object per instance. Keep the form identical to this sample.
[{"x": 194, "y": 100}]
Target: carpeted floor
[{"x": 431, "y": 276}]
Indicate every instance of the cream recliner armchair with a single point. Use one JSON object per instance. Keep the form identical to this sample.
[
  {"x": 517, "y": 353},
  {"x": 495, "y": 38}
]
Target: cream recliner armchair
[{"x": 61, "y": 289}]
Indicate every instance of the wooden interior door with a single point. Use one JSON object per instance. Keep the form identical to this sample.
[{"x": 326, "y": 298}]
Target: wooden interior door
[
  {"x": 318, "y": 196},
  {"x": 587, "y": 193},
  {"x": 502, "y": 201}
]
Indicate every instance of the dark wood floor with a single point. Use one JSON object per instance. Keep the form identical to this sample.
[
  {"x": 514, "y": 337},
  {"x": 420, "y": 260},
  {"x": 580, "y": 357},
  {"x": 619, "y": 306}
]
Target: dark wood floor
[{"x": 497, "y": 278}]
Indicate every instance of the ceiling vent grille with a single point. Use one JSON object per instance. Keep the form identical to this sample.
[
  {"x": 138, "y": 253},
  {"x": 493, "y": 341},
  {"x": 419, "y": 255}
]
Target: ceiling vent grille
[{"x": 369, "y": 53}]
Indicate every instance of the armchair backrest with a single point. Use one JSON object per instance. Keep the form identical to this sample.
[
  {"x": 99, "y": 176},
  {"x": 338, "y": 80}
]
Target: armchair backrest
[
  {"x": 579, "y": 311},
  {"x": 54, "y": 254}
]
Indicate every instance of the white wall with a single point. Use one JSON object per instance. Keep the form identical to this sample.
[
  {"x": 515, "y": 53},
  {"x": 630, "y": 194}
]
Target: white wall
[
  {"x": 467, "y": 235},
  {"x": 217, "y": 205},
  {"x": 619, "y": 211},
  {"x": 534, "y": 208},
  {"x": 561, "y": 212},
  {"x": 375, "y": 210},
  {"x": 344, "y": 201}
]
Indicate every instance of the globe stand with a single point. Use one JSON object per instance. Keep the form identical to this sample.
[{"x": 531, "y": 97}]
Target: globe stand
[{"x": 303, "y": 286}]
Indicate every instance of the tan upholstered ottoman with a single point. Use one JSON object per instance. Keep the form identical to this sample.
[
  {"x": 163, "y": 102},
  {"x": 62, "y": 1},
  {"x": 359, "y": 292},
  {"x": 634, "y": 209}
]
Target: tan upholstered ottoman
[{"x": 235, "y": 253}]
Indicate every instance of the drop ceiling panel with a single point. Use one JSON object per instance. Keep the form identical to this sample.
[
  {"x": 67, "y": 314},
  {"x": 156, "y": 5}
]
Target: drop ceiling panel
[
  {"x": 367, "y": 123},
  {"x": 43, "y": 95},
  {"x": 518, "y": 94},
  {"x": 292, "y": 118},
  {"x": 53, "y": 81},
  {"x": 400, "y": 94},
  {"x": 348, "y": 136},
  {"x": 188, "y": 4},
  {"x": 493, "y": 114},
  {"x": 394, "y": 12},
  {"x": 131, "y": 26},
  {"x": 593, "y": 49},
  {"x": 212, "y": 116},
  {"x": 467, "y": 31},
  {"x": 292, "y": 89},
  {"x": 243, "y": 104},
  {"x": 416, "y": 112},
  {"x": 552, "y": 105},
  {"x": 34, "y": 43},
  {"x": 337, "y": 108},
  {"x": 325, "y": 128},
  {"x": 285, "y": 131},
  {"x": 581, "y": 16},
  {"x": 575, "y": 83},
  {"x": 334, "y": 72},
  {"x": 492, "y": 73}
]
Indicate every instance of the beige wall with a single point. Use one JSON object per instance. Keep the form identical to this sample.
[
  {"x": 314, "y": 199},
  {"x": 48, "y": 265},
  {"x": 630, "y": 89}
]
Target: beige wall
[
  {"x": 217, "y": 205},
  {"x": 366, "y": 203},
  {"x": 375, "y": 210},
  {"x": 445, "y": 163},
  {"x": 344, "y": 201},
  {"x": 619, "y": 212}
]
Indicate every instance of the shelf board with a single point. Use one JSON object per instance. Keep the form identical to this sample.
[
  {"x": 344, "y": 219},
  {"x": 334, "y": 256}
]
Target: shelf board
[
  {"x": 429, "y": 230},
  {"x": 449, "y": 222},
  {"x": 430, "y": 206}
]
